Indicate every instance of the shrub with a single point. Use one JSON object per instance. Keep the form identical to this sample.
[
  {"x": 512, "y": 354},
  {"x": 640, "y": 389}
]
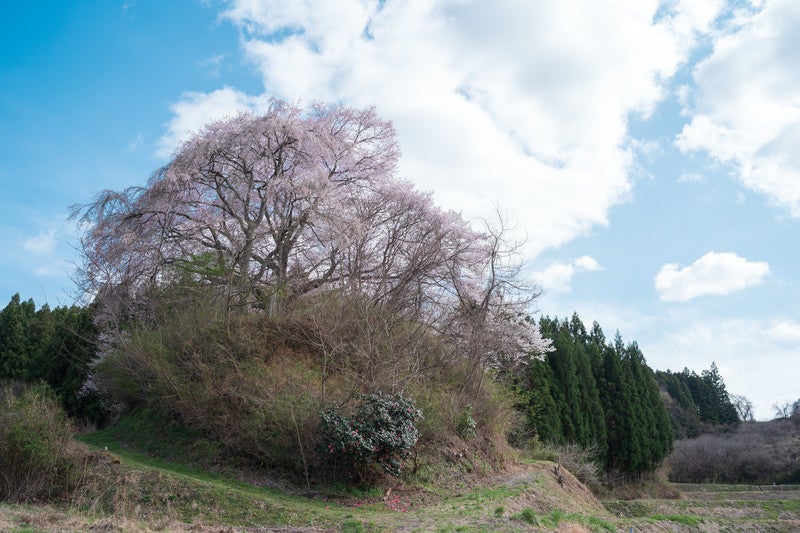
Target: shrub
[
  {"x": 258, "y": 384},
  {"x": 466, "y": 425},
  {"x": 756, "y": 452},
  {"x": 528, "y": 516},
  {"x": 581, "y": 462},
  {"x": 381, "y": 431},
  {"x": 36, "y": 459}
]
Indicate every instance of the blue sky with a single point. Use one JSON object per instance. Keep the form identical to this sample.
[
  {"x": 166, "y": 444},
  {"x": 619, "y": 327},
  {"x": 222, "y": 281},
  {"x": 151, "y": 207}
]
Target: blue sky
[{"x": 645, "y": 150}]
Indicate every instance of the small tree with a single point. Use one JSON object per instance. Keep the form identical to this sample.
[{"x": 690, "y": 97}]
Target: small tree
[
  {"x": 743, "y": 406},
  {"x": 381, "y": 432}
]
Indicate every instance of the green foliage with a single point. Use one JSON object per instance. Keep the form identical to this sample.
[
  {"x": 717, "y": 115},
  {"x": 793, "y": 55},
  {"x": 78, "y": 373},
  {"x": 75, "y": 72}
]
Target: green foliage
[
  {"x": 465, "y": 424},
  {"x": 36, "y": 459},
  {"x": 381, "y": 431},
  {"x": 528, "y": 516},
  {"x": 54, "y": 346},
  {"x": 161, "y": 436},
  {"x": 597, "y": 395},
  {"x": 699, "y": 399},
  {"x": 686, "y": 520},
  {"x": 538, "y": 404},
  {"x": 15, "y": 341}
]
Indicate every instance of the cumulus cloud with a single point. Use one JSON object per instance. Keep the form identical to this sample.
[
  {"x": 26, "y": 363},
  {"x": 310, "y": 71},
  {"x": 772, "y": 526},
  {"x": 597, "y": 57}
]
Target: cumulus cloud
[
  {"x": 714, "y": 273},
  {"x": 745, "y": 104},
  {"x": 196, "y": 109},
  {"x": 557, "y": 277},
  {"x": 518, "y": 104},
  {"x": 42, "y": 244}
]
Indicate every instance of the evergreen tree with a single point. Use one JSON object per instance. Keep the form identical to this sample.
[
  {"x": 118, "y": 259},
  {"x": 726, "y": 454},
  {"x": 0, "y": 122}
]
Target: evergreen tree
[
  {"x": 681, "y": 408},
  {"x": 42, "y": 330},
  {"x": 578, "y": 330},
  {"x": 540, "y": 407},
  {"x": 594, "y": 349},
  {"x": 722, "y": 409},
  {"x": 566, "y": 393},
  {"x": 54, "y": 346},
  {"x": 711, "y": 400},
  {"x": 587, "y": 383},
  {"x": 655, "y": 431},
  {"x": 15, "y": 344},
  {"x": 599, "y": 395},
  {"x": 65, "y": 362},
  {"x": 619, "y": 401}
]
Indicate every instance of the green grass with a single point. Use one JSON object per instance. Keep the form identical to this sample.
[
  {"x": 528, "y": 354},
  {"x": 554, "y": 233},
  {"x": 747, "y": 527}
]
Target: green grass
[
  {"x": 598, "y": 524},
  {"x": 188, "y": 493},
  {"x": 155, "y": 435},
  {"x": 528, "y": 516},
  {"x": 556, "y": 517},
  {"x": 774, "y": 508},
  {"x": 716, "y": 507},
  {"x": 628, "y": 508},
  {"x": 686, "y": 520},
  {"x": 158, "y": 485}
]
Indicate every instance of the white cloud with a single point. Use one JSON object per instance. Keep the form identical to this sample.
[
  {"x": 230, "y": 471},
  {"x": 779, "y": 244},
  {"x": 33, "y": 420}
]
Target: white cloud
[
  {"x": 42, "y": 244},
  {"x": 518, "y": 104},
  {"x": 196, "y": 109},
  {"x": 558, "y": 276},
  {"x": 586, "y": 262},
  {"x": 745, "y": 106},
  {"x": 714, "y": 273},
  {"x": 786, "y": 331}
]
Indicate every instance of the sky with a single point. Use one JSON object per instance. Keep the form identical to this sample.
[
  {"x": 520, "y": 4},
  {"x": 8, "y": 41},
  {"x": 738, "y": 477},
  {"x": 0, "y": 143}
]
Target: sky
[{"x": 646, "y": 152}]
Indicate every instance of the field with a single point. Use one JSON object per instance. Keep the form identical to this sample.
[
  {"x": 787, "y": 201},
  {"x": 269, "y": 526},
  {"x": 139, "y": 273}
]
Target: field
[
  {"x": 709, "y": 507},
  {"x": 152, "y": 495}
]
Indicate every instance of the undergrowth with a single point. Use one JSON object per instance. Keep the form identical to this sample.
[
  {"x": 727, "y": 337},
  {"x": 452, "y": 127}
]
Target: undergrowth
[{"x": 38, "y": 457}]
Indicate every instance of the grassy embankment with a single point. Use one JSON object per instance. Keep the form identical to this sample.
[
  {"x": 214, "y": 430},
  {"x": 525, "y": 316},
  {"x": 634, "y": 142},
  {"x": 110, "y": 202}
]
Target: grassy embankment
[{"x": 146, "y": 492}]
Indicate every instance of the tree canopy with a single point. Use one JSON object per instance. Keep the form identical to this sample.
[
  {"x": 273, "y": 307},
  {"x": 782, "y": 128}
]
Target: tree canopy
[{"x": 266, "y": 210}]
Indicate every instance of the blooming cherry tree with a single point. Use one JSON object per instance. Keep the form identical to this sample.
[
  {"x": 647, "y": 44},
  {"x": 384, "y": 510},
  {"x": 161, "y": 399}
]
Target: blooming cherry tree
[{"x": 268, "y": 209}]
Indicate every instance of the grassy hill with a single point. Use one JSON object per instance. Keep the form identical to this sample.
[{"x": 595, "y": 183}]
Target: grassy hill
[{"x": 150, "y": 494}]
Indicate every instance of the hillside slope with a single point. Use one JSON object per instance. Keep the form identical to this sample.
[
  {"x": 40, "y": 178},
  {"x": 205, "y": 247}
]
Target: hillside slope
[{"x": 145, "y": 494}]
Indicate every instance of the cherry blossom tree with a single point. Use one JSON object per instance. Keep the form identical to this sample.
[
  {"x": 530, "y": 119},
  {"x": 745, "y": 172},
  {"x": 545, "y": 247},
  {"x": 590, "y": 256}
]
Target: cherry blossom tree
[
  {"x": 265, "y": 210},
  {"x": 259, "y": 194},
  {"x": 489, "y": 323}
]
